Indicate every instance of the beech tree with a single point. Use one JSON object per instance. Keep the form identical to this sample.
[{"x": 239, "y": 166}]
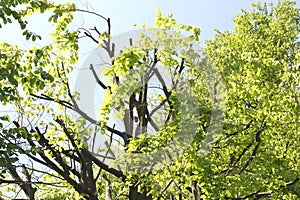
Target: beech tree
[{"x": 177, "y": 121}]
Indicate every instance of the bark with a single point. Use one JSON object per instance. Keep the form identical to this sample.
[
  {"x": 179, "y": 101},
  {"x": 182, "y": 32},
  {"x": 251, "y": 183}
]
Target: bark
[
  {"x": 135, "y": 195},
  {"x": 25, "y": 185}
]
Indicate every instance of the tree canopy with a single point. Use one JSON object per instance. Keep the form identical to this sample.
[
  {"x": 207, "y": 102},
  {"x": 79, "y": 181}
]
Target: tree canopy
[{"x": 177, "y": 121}]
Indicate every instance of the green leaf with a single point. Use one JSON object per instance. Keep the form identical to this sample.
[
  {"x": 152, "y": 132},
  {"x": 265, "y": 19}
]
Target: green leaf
[
  {"x": 22, "y": 25},
  {"x": 5, "y": 118},
  {"x": 28, "y": 35}
]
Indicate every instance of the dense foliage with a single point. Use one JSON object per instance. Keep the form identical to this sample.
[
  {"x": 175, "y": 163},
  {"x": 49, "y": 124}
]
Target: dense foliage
[{"x": 220, "y": 122}]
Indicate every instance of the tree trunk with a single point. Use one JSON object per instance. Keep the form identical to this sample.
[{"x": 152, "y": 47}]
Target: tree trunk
[{"x": 135, "y": 195}]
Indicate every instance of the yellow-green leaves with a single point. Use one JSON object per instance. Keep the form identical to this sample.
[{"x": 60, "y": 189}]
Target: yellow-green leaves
[
  {"x": 256, "y": 61},
  {"x": 122, "y": 64},
  {"x": 167, "y": 22}
]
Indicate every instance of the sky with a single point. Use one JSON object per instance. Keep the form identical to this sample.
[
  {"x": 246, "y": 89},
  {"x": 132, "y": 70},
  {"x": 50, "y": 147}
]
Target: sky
[
  {"x": 205, "y": 14},
  {"x": 208, "y": 15}
]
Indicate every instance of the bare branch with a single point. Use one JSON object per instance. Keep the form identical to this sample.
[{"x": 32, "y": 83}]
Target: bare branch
[
  {"x": 47, "y": 98},
  {"x": 91, "y": 12},
  {"x": 98, "y": 80}
]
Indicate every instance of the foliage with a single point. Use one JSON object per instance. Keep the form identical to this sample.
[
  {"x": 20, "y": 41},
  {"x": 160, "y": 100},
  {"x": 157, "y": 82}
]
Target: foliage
[
  {"x": 167, "y": 84},
  {"x": 259, "y": 63}
]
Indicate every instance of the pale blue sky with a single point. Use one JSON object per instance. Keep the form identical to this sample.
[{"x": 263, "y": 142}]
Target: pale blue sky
[{"x": 205, "y": 14}]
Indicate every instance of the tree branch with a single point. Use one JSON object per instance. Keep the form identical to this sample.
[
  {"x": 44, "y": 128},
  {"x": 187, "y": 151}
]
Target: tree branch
[
  {"x": 257, "y": 138},
  {"x": 98, "y": 80},
  {"x": 103, "y": 166}
]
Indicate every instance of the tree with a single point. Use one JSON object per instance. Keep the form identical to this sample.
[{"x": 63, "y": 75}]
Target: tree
[
  {"x": 48, "y": 152},
  {"x": 259, "y": 63}
]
